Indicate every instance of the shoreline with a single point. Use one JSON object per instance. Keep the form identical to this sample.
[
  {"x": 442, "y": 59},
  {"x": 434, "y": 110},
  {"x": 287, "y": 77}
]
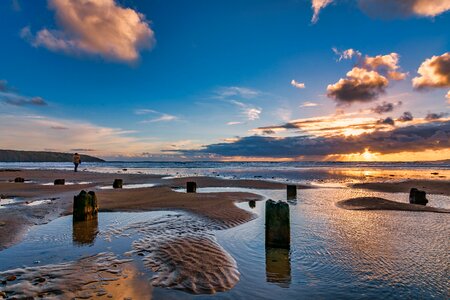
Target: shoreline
[{"x": 216, "y": 206}]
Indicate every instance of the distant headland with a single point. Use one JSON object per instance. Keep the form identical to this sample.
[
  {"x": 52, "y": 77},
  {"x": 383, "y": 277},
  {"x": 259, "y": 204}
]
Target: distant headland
[{"x": 41, "y": 156}]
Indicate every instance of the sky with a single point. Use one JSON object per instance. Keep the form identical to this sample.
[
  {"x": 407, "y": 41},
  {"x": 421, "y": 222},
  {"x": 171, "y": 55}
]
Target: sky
[{"x": 259, "y": 80}]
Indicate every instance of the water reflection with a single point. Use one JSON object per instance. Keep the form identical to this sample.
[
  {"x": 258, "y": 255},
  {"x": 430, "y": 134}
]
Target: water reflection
[
  {"x": 278, "y": 266},
  {"x": 85, "y": 232}
]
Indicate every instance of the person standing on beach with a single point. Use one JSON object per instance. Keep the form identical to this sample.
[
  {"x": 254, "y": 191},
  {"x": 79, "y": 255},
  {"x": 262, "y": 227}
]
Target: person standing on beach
[{"x": 76, "y": 161}]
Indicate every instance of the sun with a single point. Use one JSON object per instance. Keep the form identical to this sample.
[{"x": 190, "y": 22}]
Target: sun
[{"x": 367, "y": 155}]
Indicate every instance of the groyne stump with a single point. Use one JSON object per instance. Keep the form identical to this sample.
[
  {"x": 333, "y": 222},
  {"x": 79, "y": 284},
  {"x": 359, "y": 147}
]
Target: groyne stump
[
  {"x": 417, "y": 197},
  {"x": 291, "y": 192},
  {"x": 19, "y": 179},
  {"x": 85, "y": 206},
  {"x": 59, "y": 182},
  {"x": 278, "y": 229},
  {"x": 118, "y": 183},
  {"x": 191, "y": 187}
]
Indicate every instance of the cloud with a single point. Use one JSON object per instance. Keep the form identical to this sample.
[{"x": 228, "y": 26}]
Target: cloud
[
  {"x": 10, "y": 96},
  {"x": 406, "y": 117},
  {"x": 360, "y": 85},
  {"x": 386, "y": 121},
  {"x": 298, "y": 85},
  {"x": 391, "y": 8},
  {"x": 236, "y": 91},
  {"x": 309, "y": 104},
  {"x": 233, "y": 123},
  {"x": 318, "y": 5},
  {"x": 435, "y": 116},
  {"x": 414, "y": 138},
  {"x": 404, "y": 8},
  {"x": 249, "y": 111},
  {"x": 448, "y": 96},
  {"x": 346, "y": 54},
  {"x": 95, "y": 27},
  {"x": 384, "y": 107},
  {"x": 366, "y": 81},
  {"x": 434, "y": 72}
]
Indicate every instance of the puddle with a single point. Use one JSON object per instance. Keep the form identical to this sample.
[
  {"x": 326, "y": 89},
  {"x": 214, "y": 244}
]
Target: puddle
[
  {"x": 68, "y": 183},
  {"x": 131, "y": 186},
  {"x": 5, "y": 202}
]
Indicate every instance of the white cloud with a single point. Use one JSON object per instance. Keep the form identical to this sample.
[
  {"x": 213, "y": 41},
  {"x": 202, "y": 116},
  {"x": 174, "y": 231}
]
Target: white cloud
[
  {"x": 236, "y": 91},
  {"x": 298, "y": 85},
  {"x": 317, "y": 6},
  {"x": 346, "y": 54},
  {"x": 95, "y": 27},
  {"x": 434, "y": 73},
  {"x": 233, "y": 123},
  {"x": 309, "y": 104},
  {"x": 250, "y": 112},
  {"x": 159, "y": 116}
]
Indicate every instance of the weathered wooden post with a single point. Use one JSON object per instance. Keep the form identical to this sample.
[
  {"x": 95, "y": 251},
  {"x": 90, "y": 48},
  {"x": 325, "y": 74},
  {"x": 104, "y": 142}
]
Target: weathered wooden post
[
  {"x": 59, "y": 182},
  {"x": 85, "y": 206},
  {"x": 417, "y": 197},
  {"x": 118, "y": 183},
  {"x": 278, "y": 229},
  {"x": 278, "y": 266},
  {"x": 19, "y": 179},
  {"x": 252, "y": 203},
  {"x": 291, "y": 192},
  {"x": 191, "y": 187},
  {"x": 85, "y": 232}
]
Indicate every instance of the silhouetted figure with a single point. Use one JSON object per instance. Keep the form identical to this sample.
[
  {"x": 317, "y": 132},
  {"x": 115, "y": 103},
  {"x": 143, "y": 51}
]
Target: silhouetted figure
[{"x": 76, "y": 161}]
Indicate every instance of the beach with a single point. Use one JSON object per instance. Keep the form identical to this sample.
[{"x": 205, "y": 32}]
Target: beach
[{"x": 220, "y": 205}]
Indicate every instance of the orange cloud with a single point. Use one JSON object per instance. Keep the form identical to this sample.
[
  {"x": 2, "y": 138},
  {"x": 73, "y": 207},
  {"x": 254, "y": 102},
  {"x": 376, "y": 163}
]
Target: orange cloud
[
  {"x": 434, "y": 73},
  {"x": 99, "y": 27}
]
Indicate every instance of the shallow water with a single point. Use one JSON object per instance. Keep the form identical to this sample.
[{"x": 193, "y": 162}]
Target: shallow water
[{"x": 334, "y": 253}]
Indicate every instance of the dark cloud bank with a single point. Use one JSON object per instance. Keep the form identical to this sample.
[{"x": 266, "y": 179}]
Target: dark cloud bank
[{"x": 435, "y": 135}]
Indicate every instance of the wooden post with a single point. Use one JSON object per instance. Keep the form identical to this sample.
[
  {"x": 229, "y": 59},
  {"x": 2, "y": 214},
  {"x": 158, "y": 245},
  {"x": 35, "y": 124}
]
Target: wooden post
[
  {"x": 291, "y": 192},
  {"x": 252, "y": 203},
  {"x": 85, "y": 206},
  {"x": 278, "y": 231},
  {"x": 191, "y": 187},
  {"x": 118, "y": 183},
  {"x": 417, "y": 197},
  {"x": 59, "y": 182},
  {"x": 19, "y": 179}
]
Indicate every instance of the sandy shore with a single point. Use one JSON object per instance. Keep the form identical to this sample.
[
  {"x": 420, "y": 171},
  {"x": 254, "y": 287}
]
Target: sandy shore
[
  {"x": 373, "y": 203},
  {"x": 430, "y": 186},
  {"x": 216, "y": 206}
]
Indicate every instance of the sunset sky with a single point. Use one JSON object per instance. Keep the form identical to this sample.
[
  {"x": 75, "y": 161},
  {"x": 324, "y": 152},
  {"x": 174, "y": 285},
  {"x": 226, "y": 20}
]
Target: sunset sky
[{"x": 227, "y": 80}]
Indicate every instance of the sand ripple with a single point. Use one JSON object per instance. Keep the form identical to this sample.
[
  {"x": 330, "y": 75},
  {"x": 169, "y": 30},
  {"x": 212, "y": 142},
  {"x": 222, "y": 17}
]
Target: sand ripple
[
  {"x": 183, "y": 253},
  {"x": 83, "y": 279}
]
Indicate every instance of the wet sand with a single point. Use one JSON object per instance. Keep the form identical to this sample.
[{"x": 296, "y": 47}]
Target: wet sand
[
  {"x": 219, "y": 207},
  {"x": 373, "y": 203},
  {"x": 430, "y": 186}
]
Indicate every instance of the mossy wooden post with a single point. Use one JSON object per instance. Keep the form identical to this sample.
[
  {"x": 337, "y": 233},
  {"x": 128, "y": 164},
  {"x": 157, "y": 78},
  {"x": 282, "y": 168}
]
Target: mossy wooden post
[
  {"x": 417, "y": 197},
  {"x": 291, "y": 192},
  {"x": 85, "y": 206},
  {"x": 59, "y": 182},
  {"x": 278, "y": 228},
  {"x": 252, "y": 203},
  {"x": 118, "y": 183},
  {"x": 19, "y": 179},
  {"x": 191, "y": 187}
]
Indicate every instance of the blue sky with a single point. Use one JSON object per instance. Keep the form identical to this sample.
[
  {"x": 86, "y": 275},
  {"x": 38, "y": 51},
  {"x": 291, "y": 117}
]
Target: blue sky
[{"x": 210, "y": 64}]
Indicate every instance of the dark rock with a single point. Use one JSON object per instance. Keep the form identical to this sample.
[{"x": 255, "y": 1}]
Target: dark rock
[
  {"x": 118, "y": 183},
  {"x": 278, "y": 231},
  {"x": 19, "y": 179},
  {"x": 85, "y": 206},
  {"x": 417, "y": 197},
  {"x": 124, "y": 170},
  {"x": 291, "y": 191},
  {"x": 59, "y": 182},
  {"x": 191, "y": 187},
  {"x": 11, "y": 278}
]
